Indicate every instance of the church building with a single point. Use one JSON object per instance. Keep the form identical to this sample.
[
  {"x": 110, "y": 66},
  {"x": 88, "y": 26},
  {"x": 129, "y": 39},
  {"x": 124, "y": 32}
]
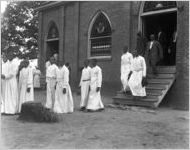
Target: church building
[{"x": 78, "y": 30}]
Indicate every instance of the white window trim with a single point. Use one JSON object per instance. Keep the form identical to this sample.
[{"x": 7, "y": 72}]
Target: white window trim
[{"x": 89, "y": 39}]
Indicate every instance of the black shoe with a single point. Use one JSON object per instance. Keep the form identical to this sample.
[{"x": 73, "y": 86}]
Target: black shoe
[
  {"x": 82, "y": 108},
  {"x": 101, "y": 109}
]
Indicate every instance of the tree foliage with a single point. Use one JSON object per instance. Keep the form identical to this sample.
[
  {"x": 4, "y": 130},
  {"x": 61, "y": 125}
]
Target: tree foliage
[{"x": 19, "y": 30}]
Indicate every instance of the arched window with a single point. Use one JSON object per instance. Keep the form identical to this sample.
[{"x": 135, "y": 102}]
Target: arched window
[
  {"x": 100, "y": 36},
  {"x": 52, "y": 40},
  {"x": 53, "y": 31},
  {"x": 158, "y": 5}
]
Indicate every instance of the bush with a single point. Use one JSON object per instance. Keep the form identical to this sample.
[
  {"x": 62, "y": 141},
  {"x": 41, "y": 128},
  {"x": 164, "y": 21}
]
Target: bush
[{"x": 35, "y": 111}]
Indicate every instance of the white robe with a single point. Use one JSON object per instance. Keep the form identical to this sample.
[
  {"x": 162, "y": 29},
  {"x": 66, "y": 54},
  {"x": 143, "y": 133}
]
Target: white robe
[
  {"x": 63, "y": 102},
  {"x": 125, "y": 69},
  {"x": 138, "y": 67},
  {"x": 95, "y": 102},
  {"x": 3, "y": 86},
  {"x": 85, "y": 84},
  {"x": 37, "y": 74},
  {"x": 50, "y": 80},
  {"x": 25, "y": 81},
  {"x": 11, "y": 89}
]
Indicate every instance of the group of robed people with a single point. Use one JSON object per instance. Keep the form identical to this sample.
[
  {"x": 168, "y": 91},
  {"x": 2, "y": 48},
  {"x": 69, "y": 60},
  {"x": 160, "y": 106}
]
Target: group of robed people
[
  {"x": 18, "y": 86},
  {"x": 135, "y": 65},
  {"x": 59, "y": 96}
]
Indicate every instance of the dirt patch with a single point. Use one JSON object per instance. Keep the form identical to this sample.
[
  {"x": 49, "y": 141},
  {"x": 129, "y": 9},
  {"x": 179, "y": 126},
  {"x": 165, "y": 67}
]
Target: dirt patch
[{"x": 113, "y": 128}]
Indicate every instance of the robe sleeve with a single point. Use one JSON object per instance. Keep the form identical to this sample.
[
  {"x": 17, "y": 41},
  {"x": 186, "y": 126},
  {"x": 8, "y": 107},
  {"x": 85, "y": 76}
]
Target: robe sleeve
[
  {"x": 99, "y": 77},
  {"x": 66, "y": 78},
  {"x": 131, "y": 58},
  {"x": 30, "y": 78},
  {"x": 144, "y": 67}
]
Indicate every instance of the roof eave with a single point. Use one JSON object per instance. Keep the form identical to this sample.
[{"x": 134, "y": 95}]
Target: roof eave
[{"x": 54, "y": 4}]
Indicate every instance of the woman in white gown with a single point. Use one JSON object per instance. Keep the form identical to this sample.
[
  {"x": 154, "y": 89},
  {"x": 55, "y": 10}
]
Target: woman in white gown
[
  {"x": 63, "y": 96},
  {"x": 26, "y": 88},
  {"x": 138, "y": 67},
  {"x": 126, "y": 59}
]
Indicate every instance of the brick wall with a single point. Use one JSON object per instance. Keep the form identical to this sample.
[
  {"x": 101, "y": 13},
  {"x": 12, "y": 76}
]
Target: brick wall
[{"x": 73, "y": 20}]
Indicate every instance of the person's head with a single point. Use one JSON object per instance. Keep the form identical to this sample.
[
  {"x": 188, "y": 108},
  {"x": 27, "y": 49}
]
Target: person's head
[
  {"x": 152, "y": 37},
  {"x": 55, "y": 56},
  {"x": 60, "y": 64},
  {"x": 26, "y": 64},
  {"x": 86, "y": 63},
  {"x": 52, "y": 60},
  {"x": 10, "y": 56},
  {"x": 67, "y": 64},
  {"x": 4, "y": 58},
  {"x": 125, "y": 49},
  {"x": 139, "y": 33},
  {"x": 135, "y": 53},
  {"x": 93, "y": 62}
]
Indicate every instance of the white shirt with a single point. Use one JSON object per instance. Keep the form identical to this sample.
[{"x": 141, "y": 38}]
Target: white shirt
[
  {"x": 96, "y": 76},
  {"x": 85, "y": 74},
  {"x": 151, "y": 43},
  {"x": 138, "y": 64},
  {"x": 51, "y": 71}
]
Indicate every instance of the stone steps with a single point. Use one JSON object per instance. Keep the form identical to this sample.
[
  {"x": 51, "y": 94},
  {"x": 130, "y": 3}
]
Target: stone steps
[{"x": 156, "y": 89}]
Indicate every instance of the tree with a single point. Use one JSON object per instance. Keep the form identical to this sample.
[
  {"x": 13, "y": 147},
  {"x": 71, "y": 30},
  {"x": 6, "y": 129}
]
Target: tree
[{"x": 19, "y": 30}]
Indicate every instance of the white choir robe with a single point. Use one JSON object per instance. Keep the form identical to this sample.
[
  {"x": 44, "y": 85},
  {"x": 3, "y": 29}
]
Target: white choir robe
[
  {"x": 85, "y": 84},
  {"x": 37, "y": 74},
  {"x": 11, "y": 89},
  {"x": 25, "y": 81},
  {"x": 3, "y": 86},
  {"x": 138, "y": 67},
  {"x": 51, "y": 82},
  {"x": 63, "y": 102},
  {"x": 125, "y": 69},
  {"x": 94, "y": 101}
]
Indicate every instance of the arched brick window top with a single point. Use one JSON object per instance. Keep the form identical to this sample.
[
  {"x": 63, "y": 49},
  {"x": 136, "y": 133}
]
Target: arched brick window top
[
  {"x": 158, "y": 5},
  {"x": 100, "y": 36},
  {"x": 53, "y": 31}
]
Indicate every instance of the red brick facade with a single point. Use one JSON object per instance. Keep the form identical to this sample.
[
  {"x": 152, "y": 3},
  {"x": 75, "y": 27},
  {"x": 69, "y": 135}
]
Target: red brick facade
[{"x": 73, "y": 20}]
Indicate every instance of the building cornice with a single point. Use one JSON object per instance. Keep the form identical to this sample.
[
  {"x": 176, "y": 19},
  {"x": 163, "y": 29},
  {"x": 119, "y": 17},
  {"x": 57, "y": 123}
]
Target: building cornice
[{"x": 51, "y": 5}]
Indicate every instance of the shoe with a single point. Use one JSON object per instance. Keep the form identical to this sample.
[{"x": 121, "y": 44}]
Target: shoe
[{"x": 82, "y": 108}]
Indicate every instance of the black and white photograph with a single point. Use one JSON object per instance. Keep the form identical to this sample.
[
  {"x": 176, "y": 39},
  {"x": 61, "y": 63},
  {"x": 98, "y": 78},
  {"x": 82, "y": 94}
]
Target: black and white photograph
[{"x": 94, "y": 74}]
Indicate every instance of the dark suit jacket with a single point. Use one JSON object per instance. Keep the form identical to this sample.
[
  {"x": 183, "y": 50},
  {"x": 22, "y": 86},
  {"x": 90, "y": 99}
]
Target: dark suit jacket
[{"x": 155, "y": 53}]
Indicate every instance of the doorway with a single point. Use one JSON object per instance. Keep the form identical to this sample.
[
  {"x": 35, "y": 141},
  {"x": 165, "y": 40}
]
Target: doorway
[
  {"x": 167, "y": 23},
  {"x": 52, "y": 48}
]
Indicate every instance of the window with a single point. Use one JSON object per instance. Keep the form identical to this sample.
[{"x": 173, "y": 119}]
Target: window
[
  {"x": 53, "y": 31},
  {"x": 100, "y": 36},
  {"x": 158, "y": 5}
]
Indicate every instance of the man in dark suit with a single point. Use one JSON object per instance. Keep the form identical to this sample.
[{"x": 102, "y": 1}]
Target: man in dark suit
[{"x": 154, "y": 53}]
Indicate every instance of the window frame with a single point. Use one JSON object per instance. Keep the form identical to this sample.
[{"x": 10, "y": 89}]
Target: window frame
[{"x": 89, "y": 56}]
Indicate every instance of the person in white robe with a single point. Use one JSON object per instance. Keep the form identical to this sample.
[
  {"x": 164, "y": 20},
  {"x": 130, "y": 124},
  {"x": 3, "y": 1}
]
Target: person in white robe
[
  {"x": 126, "y": 59},
  {"x": 51, "y": 83},
  {"x": 37, "y": 74},
  {"x": 138, "y": 67},
  {"x": 85, "y": 85},
  {"x": 3, "y": 82},
  {"x": 94, "y": 101},
  {"x": 11, "y": 88},
  {"x": 26, "y": 88},
  {"x": 63, "y": 95}
]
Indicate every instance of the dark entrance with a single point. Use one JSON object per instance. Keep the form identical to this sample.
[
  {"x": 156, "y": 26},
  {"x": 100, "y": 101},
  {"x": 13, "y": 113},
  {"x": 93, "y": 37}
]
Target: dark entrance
[
  {"x": 167, "y": 23},
  {"x": 52, "y": 48}
]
